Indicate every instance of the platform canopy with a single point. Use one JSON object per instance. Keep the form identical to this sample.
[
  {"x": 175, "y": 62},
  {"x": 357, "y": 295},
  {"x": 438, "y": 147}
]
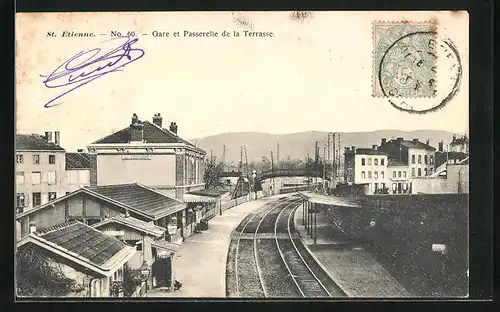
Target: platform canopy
[
  {"x": 328, "y": 200},
  {"x": 192, "y": 198}
]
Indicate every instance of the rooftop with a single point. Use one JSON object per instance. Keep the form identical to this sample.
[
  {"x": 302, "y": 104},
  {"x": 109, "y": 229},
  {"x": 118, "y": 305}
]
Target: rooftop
[
  {"x": 77, "y": 161},
  {"x": 151, "y": 134},
  {"x": 84, "y": 241},
  {"x": 141, "y": 198},
  {"x": 134, "y": 223},
  {"x": 394, "y": 163},
  {"x": 35, "y": 142},
  {"x": 459, "y": 141},
  {"x": 369, "y": 151}
]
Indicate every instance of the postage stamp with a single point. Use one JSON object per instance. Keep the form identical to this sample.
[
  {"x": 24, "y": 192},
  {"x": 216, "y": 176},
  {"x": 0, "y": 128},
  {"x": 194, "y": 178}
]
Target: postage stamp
[{"x": 404, "y": 59}]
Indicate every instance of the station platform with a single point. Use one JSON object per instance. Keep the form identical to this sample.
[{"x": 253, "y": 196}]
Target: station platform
[
  {"x": 200, "y": 264},
  {"x": 355, "y": 270}
]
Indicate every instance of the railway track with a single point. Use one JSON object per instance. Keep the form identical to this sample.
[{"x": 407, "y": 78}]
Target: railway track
[{"x": 269, "y": 259}]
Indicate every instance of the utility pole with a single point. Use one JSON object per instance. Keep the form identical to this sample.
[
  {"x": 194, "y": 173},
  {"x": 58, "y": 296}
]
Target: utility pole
[
  {"x": 272, "y": 171},
  {"x": 246, "y": 160},
  {"x": 324, "y": 168},
  {"x": 316, "y": 162},
  {"x": 278, "y": 155},
  {"x": 241, "y": 170},
  {"x": 307, "y": 170},
  {"x": 224, "y": 157}
]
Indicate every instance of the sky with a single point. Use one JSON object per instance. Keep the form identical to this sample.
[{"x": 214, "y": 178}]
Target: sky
[{"x": 314, "y": 75}]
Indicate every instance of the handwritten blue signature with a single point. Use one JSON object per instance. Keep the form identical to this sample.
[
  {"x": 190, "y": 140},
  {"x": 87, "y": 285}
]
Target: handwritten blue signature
[{"x": 87, "y": 66}]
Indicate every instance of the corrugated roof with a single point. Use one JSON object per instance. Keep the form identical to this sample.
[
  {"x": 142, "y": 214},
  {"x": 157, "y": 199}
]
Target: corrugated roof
[
  {"x": 151, "y": 134},
  {"x": 35, "y": 142},
  {"x": 134, "y": 223},
  {"x": 83, "y": 240},
  {"x": 77, "y": 161},
  {"x": 141, "y": 198}
]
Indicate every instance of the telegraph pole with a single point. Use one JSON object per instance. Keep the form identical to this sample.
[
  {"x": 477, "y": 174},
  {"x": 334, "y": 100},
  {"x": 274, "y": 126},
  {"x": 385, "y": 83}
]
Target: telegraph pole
[
  {"x": 246, "y": 160},
  {"x": 324, "y": 168},
  {"x": 272, "y": 171},
  {"x": 278, "y": 155},
  {"x": 224, "y": 157},
  {"x": 316, "y": 162}
]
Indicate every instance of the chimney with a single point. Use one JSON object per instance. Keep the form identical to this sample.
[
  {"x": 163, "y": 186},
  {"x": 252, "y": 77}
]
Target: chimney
[
  {"x": 48, "y": 136},
  {"x": 399, "y": 139},
  {"x": 440, "y": 148},
  {"x": 374, "y": 147},
  {"x": 57, "y": 138},
  {"x": 173, "y": 127},
  {"x": 136, "y": 129},
  {"x": 157, "y": 120},
  {"x": 384, "y": 140},
  {"x": 415, "y": 141},
  {"x": 80, "y": 150},
  {"x": 353, "y": 148}
]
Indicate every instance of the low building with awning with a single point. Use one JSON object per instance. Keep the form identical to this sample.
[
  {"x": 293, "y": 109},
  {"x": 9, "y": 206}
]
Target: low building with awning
[
  {"x": 203, "y": 204},
  {"x": 149, "y": 239}
]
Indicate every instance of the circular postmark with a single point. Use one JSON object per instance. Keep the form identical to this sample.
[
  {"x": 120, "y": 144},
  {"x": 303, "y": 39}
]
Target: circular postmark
[{"x": 408, "y": 72}]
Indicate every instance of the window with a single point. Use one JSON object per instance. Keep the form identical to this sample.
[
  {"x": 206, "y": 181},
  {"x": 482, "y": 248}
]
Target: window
[
  {"x": 412, "y": 159},
  {"x": 425, "y": 159},
  {"x": 419, "y": 172},
  {"x": 399, "y": 174},
  {"x": 369, "y": 174},
  {"x": 382, "y": 161},
  {"x": 412, "y": 172},
  {"x": 20, "y": 200},
  {"x": 363, "y": 175},
  {"x": 375, "y": 174},
  {"x": 37, "y": 199},
  {"x": 404, "y": 174},
  {"x": 36, "y": 159},
  {"x": 369, "y": 161},
  {"x": 52, "y": 195},
  {"x": 425, "y": 171},
  {"x": 362, "y": 161},
  {"x": 381, "y": 174},
  {"x": 19, "y": 159},
  {"x": 382, "y": 185},
  {"x": 376, "y": 186},
  {"x": 419, "y": 159},
  {"x": 19, "y": 177},
  {"x": 52, "y": 159},
  {"x": 35, "y": 177},
  {"x": 394, "y": 187},
  {"x": 375, "y": 161},
  {"x": 51, "y": 177},
  {"x": 394, "y": 174},
  {"x": 431, "y": 160}
]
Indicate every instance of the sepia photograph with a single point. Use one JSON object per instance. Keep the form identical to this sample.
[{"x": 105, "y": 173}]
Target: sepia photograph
[{"x": 258, "y": 155}]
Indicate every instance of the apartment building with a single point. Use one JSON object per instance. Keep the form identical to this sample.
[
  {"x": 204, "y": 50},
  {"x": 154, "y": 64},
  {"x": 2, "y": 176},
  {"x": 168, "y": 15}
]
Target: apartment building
[
  {"x": 40, "y": 170},
  {"x": 366, "y": 166}
]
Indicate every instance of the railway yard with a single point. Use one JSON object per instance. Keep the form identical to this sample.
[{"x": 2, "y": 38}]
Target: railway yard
[{"x": 267, "y": 258}]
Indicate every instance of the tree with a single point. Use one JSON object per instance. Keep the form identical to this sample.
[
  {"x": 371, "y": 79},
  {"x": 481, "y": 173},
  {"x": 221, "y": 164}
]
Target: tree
[
  {"x": 213, "y": 170},
  {"x": 38, "y": 276}
]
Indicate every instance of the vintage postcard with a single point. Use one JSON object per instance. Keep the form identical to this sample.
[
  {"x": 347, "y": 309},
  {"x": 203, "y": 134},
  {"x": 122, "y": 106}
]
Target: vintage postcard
[{"x": 242, "y": 155}]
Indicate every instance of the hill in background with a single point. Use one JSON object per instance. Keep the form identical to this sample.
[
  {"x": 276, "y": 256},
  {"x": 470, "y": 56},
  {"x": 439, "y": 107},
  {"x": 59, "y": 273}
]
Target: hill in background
[{"x": 298, "y": 145}]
